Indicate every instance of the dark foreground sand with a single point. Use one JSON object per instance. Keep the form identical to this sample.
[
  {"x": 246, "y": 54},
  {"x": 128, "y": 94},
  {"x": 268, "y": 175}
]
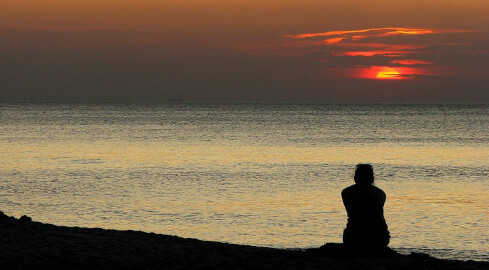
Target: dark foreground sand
[{"x": 25, "y": 244}]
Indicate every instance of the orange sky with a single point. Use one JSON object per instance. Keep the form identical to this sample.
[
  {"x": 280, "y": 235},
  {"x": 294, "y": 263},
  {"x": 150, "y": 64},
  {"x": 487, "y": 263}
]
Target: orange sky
[{"x": 244, "y": 50}]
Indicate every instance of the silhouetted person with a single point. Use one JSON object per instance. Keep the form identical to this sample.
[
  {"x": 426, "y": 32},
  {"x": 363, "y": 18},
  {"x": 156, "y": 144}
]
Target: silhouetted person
[{"x": 366, "y": 230}]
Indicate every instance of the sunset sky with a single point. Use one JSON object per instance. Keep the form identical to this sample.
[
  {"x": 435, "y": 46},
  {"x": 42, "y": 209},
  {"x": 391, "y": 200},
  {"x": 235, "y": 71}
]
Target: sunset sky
[{"x": 245, "y": 50}]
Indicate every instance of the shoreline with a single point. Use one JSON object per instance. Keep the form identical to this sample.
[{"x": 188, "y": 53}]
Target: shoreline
[{"x": 26, "y": 244}]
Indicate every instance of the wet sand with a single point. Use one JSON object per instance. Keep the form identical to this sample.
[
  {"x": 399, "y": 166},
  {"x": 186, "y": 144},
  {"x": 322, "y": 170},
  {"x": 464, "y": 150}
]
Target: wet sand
[{"x": 25, "y": 244}]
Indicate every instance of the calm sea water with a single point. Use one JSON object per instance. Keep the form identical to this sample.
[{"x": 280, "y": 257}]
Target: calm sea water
[{"x": 266, "y": 175}]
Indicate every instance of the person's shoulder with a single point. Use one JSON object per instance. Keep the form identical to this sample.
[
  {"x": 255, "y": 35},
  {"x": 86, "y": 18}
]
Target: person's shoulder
[
  {"x": 378, "y": 190},
  {"x": 348, "y": 190}
]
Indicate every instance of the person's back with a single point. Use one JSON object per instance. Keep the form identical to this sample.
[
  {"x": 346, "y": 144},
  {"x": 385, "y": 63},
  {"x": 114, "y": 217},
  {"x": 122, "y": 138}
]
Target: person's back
[{"x": 364, "y": 204}]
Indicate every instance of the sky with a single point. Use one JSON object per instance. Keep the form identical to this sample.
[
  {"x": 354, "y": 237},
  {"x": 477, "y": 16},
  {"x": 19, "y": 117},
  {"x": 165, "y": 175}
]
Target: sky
[{"x": 245, "y": 50}]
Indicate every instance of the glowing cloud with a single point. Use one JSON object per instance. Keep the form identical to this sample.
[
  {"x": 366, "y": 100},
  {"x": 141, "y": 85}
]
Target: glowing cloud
[
  {"x": 376, "y": 53},
  {"x": 333, "y": 40},
  {"x": 377, "y": 32},
  {"x": 373, "y": 53},
  {"x": 411, "y": 62},
  {"x": 371, "y": 32}
]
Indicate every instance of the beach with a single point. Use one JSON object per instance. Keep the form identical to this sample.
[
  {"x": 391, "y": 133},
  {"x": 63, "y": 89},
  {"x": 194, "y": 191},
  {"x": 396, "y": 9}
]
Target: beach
[{"x": 26, "y": 244}]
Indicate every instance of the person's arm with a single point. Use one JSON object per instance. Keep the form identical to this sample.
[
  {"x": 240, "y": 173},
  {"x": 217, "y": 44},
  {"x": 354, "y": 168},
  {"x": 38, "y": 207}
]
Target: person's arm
[
  {"x": 346, "y": 201},
  {"x": 384, "y": 197}
]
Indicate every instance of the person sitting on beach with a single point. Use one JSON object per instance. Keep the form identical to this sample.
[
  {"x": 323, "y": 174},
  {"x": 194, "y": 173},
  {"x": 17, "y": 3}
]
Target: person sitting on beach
[{"x": 364, "y": 203}]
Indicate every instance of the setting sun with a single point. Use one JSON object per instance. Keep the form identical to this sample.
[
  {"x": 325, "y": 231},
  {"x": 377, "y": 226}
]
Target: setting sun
[{"x": 388, "y": 73}]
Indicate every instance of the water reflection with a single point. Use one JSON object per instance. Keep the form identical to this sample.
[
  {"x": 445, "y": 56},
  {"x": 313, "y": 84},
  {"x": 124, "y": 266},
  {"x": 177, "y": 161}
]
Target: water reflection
[{"x": 259, "y": 175}]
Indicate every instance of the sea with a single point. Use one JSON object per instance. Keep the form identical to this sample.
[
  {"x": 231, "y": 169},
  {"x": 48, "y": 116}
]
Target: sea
[{"x": 256, "y": 174}]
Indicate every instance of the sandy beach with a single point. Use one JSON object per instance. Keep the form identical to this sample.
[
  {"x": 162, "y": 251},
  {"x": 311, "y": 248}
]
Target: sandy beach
[{"x": 26, "y": 244}]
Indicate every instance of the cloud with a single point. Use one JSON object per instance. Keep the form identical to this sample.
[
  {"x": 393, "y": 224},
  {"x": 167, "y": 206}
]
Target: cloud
[
  {"x": 333, "y": 40},
  {"x": 413, "y": 52},
  {"x": 377, "y": 32},
  {"x": 411, "y": 62},
  {"x": 372, "y": 53}
]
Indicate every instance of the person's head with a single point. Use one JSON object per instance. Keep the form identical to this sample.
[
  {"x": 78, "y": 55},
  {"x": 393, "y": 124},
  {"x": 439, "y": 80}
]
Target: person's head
[{"x": 364, "y": 174}]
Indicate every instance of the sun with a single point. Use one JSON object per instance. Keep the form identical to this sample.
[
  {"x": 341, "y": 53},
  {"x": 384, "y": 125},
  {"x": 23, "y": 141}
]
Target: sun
[{"x": 388, "y": 73}]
